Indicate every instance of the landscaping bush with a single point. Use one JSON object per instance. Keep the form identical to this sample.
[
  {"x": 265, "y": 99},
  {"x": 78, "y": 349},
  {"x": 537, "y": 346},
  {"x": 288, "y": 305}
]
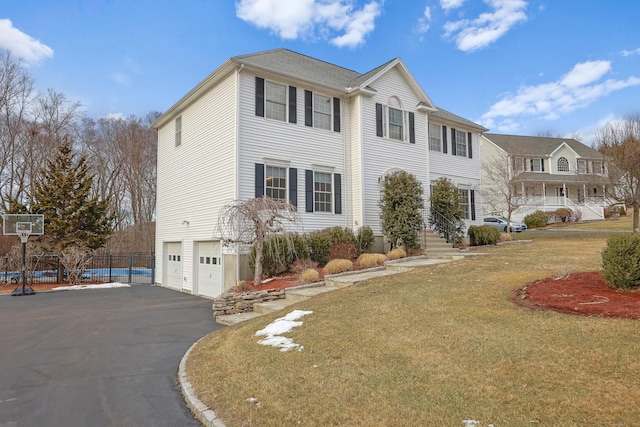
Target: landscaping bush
[
  {"x": 621, "y": 261},
  {"x": 371, "y": 260},
  {"x": 300, "y": 265},
  {"x": 483, "y": 235},
  {"x": 364, "y": 239},
  {"x": 623, "y": 212},
  {"x": 310, "y": 275},
  {"x": 339, "y": 235},
  {"x": 279, "y": 252},
  {"x": 537, "y": 219},
  {"x": 343, "y": 250},
  {"x": 564, "y": 214},
  {"x": 319, "y": 244},
  {"x": 396, "y": 253},
  {"x": 336, "y": 266},
  {"x": 506, "y": 237}
]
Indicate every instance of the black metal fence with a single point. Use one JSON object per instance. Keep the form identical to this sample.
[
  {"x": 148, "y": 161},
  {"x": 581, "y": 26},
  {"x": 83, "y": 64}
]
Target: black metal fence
[{"x": 101, "y": 268}]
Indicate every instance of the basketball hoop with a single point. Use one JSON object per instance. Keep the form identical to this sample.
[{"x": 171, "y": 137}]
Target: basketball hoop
[{"x": 24, "y": 235}]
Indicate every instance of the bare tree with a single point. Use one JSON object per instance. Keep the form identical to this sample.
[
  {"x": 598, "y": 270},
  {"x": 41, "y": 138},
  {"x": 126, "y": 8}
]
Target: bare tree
[
  {"x": 253, "y": 221},
  {"x": 619, "y": 143},
  {"x": 500, "y": 185},
  {"x": 75, "y": 262}
]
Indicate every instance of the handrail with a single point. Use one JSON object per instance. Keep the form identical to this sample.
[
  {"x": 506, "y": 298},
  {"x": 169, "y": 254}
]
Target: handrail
[{"x": 443, "y": 225}]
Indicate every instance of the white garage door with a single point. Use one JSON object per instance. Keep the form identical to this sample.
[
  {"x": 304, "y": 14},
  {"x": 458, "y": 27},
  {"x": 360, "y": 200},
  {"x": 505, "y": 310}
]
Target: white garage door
[
  {"x": 209, "y": 269},
  {"x": 173, "y": 263}
]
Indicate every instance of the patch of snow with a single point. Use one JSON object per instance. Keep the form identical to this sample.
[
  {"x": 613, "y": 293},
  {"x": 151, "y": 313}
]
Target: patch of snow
[
  {"x": 273, "y": 332},
  {"x": 100, "y": 286}
]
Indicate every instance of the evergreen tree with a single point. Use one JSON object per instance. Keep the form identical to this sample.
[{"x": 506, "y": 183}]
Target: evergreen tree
[
  {"x": 447, "y": 217},
  {"x": 72, "y": 217},
  {"x": 401, "y": 208}
]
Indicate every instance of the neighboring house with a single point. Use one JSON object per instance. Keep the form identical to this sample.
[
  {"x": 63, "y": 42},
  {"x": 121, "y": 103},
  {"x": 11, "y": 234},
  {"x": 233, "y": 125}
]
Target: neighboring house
[
  {"x": 288, "y": 126},
  {"x": 549, "y": 173}
]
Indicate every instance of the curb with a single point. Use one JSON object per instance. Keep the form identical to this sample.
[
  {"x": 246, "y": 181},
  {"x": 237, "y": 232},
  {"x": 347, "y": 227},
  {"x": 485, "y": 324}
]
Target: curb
[{"x": 204, "y": 414}]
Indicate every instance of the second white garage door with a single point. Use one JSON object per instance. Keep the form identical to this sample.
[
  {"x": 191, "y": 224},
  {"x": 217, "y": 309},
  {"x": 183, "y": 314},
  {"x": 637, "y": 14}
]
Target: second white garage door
[{"x": 209, "y": 262}]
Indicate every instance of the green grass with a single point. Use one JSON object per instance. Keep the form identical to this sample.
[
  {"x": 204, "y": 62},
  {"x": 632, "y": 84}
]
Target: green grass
[
  {"x": 624, "y": 223},
  {"x": 435, "y": 346}
]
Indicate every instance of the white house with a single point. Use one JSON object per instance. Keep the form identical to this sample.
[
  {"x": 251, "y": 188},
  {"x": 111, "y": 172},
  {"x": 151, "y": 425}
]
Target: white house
[
  {"x": 288, "y": 126},
  {"x": 549, "y": 173}
]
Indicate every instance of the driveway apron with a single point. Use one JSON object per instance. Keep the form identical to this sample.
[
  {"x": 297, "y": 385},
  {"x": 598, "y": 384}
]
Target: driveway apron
[{"x": 97, "y": 357}]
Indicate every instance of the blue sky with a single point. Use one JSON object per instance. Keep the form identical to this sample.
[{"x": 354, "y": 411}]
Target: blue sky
[{"x": 524, "y": 67}]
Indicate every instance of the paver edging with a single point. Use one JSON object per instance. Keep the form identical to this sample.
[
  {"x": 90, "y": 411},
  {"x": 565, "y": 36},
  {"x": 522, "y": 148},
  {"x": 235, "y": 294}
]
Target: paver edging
[{"x": 203, "y": 413}]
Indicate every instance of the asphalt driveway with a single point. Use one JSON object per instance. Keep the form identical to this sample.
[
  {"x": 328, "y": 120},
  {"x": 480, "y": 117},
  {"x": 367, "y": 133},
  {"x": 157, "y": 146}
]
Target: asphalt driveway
[{"x": 97, "y": 357}]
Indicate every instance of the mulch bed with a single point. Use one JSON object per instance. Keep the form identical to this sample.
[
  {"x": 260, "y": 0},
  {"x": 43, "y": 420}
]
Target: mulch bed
[{"x": 580, "y": 293}]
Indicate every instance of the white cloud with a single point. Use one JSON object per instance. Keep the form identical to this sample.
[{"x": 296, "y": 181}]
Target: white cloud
[
  {"x": 578, "y": 88},
  {"x": 115, "y": 116},
  {"x": 22, "y": 45},
  {"x": 478, "y": 33},
  {"x": 631, "y": 52},
  {"x": 337, "y": 20},
  {"x": 447, "y": 5},
  {"x": 425, "y": 21}
]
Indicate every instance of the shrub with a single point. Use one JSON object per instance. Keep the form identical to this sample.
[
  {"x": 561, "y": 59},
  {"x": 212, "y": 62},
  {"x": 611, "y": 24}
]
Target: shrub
[
  {"x": 319, "y": 243},
  {"x": 564, "y": 214},
  {"x": 309, "y": 275},
  {"x": 505, "y": 237},
  {"x": 336, "y": 266},
  {"x": 343, "y": 250},
  {"x": 396, "y": 253},
  {"x": 621, "y": 261},
  {"x": 339, "y": 235},
  {"x": 371, "y": 260},
  {"x": 300, "y": 265},
  {"x": 483, "y": 235},
  {"x": 623, "y": 212},
  {"x": 364, "y": 239},
  {"x": 279, "y": 252},
  {"x": 537, "y": 219}
]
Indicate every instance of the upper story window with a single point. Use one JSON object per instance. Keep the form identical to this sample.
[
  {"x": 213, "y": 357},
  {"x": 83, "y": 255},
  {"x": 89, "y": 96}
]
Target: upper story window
[
  {"x": 582, "y": 166},
  {"x": 598, "y": 167},
  {"x": 275, "y": 101},
  {"x": 178, "y": 123},
  {"x": 563, "y": 164},
  {"x": 395, "y": 123},
  {"x": 537, "y": 165},
  {"x": 321, "y": 111},
  {"x": 519, "y": 164},
  {"x": 461, "y": 143},
  {"x": 435, "y": 137}
]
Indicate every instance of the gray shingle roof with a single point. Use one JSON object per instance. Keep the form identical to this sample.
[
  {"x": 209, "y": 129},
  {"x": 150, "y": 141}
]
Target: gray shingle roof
[
  {"x": 445, "y": 115},
  {"x": 539, "y": 145}
]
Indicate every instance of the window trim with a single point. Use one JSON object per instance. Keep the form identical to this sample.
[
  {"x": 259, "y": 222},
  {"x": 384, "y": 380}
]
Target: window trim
[
  {"x": 383, "y": 123},
  {"x": 432, "y": 139},
  {"x": 283, "y": 104},
  {"x": 178, "y": 131},
  {"x": 328, "y": 206}
]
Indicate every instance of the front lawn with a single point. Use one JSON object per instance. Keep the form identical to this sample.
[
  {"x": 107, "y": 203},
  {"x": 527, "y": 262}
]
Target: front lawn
[{"x": 435, "y": 346}]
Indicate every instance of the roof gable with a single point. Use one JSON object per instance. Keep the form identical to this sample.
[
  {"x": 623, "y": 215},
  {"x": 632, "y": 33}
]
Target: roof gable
[{"x": 540, "y": 146}]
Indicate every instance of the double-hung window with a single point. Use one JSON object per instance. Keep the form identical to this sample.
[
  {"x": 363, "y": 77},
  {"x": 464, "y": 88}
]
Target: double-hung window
[
  {"x": 537, "y": 165},
  {"x": 465, "y": 203},
  {"x": 461, "y": 143},
  {"x": 435, "y": 137},
  {"x": 322, "y": 192},
  {"x": 276, "y": 183},
  {"x": 582, "y": 166},
  {"x": 394, "y": 123},
  {"x": 321, "y": 111},
  {"x": 518, "y": 164},
  {"x": 598, "y": 167},
  {"x": 275, "y": 101}
]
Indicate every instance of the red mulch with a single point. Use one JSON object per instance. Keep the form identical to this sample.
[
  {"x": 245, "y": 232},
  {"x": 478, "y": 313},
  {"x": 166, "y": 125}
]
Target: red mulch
[{"x": 581, "y": 293}]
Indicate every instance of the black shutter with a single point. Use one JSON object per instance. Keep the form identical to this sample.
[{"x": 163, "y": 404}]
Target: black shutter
[
  {"x": 412, "y": 128},
  {"x": 444, "y": 139},
  {"x": 259, "y": 97},
  {"x": 473, "y": 204},
  {"x": 293, "y": 104},
  {"x": 293, "y": 186},
  {"x": 453, "y": 141},
  {"x": 336, "y": 115},
  {"x": 469, "y": 145},
  {"x": 337, "y": 191},
  {"x": 542, "y": 164},
  {"x": 308, "y": 108},
  {"x": 308, "y": 190},
  {"x": 378, "y": 119},
  {"x": 259, "y": 180}
]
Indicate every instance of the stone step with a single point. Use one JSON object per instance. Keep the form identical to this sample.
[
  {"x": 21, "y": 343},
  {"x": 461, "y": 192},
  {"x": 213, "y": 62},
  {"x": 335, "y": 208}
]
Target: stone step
[
  {"x": 271, "y": 306},
  {"x": 233, "y": 319},
  {"x": 301, "y": 294},
  {"x": 343, "y": 281}
]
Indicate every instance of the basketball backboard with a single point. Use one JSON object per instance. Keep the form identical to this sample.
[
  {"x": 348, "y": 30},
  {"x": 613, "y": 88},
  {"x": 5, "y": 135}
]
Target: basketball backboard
[{"x": 15, "y": 224}]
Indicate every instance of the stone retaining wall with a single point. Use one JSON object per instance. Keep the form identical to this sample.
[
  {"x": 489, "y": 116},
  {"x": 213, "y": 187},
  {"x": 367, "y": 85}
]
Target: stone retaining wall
[{"x": 232, "y": 303}]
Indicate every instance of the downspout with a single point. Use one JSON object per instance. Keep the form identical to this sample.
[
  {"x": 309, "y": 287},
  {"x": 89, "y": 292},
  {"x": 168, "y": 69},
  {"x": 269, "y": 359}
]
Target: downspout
[
  {"x": 237, "y": 167},
  {"x": 346, "y": 208}
]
